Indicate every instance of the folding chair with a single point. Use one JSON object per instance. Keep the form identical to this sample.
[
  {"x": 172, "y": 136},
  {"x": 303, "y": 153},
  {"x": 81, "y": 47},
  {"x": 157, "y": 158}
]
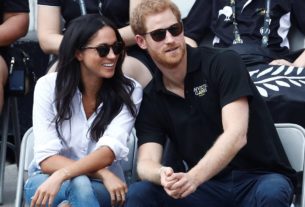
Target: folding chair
[
  {"x": 27, "y": 154},
  {"x": 293, "y": 140},
  {"x": 129, "y": 166},
  {"x": 9, "y": 114}
]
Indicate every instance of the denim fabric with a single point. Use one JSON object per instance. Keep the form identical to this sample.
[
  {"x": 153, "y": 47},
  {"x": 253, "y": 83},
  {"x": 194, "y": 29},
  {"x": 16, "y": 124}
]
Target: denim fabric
[
  {"x": 79, "y": 191},
  {"x": 237, "y": 189}
]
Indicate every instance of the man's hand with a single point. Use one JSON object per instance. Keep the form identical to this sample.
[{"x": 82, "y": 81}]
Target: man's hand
[
  {"x": 168, "y": 179},
  {"x": 185, "y": 185},
  {"x": 177, "y": 185}
]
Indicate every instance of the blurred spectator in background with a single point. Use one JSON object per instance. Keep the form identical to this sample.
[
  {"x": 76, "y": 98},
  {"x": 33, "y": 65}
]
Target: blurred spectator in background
[
  {"x": 259, "y": 28},
  {"x": 258, "y": 31},
  {"x": 14, "y": 19}
]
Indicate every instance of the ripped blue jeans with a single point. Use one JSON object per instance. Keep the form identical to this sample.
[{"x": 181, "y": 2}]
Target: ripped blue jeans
[{"x": 79, "y": 191}]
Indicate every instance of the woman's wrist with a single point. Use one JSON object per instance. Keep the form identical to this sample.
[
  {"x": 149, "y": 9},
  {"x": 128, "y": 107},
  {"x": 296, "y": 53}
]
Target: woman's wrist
[
  {"x": 103, "y": 173},
  {"x": 64, "y": 174}
]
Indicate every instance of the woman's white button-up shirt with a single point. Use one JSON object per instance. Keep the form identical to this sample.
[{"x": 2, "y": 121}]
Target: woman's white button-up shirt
[{"x": 76, "y": 142}]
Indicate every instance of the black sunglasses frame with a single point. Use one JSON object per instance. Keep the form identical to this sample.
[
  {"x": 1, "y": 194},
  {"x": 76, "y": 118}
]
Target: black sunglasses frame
[
  {"x": 159, "y": 35},
  {"x": 104, "y": 49}
]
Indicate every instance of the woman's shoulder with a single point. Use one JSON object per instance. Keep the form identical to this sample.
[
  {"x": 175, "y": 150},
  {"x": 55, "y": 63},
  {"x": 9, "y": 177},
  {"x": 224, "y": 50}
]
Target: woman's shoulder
[
  {"x": 45, "y": 87},
  {"x": 138, "y": 90},
  {"x": 47, "y": 79}
]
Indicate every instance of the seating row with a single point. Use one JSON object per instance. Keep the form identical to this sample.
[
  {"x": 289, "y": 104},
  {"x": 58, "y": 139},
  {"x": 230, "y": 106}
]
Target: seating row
[{"x": 291, "y": 135}]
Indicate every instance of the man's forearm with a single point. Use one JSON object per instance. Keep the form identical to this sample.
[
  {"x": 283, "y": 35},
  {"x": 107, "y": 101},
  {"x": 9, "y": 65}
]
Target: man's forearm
[
  {"x": 149, "y": 170},
  {"x": 217, "y": 158},
  {"x": 235, "y": 118}
]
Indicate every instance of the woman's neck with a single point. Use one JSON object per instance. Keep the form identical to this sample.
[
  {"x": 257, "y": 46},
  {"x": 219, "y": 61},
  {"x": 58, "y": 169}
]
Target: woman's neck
[{"x": 89, "y": 95}]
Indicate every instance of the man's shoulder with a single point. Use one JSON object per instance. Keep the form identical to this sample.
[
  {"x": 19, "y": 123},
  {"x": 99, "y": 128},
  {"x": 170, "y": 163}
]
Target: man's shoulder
[
  {"x": 214, "y": 52},
  {"x": 151, "y": 88},
  {"x": 210, "y": 57},
  {"x": 153, "y": 93}
]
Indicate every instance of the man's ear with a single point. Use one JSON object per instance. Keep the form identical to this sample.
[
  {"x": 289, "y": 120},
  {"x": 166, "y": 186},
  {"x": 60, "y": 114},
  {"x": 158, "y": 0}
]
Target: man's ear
[
  {"x": 140, "y": 40},
  {"x": 79, "y": 55}
]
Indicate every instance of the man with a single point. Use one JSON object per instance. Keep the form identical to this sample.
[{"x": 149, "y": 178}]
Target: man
[
  {"x": 14, "y": 22},
  {"x": 205, "y": 102}
]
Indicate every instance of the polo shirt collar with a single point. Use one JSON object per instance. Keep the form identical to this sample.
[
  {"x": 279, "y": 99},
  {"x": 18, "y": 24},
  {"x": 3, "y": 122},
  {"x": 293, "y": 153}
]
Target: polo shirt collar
[
  {"x": 194, "y": 57},
  {"x": 158, "y": 81}
]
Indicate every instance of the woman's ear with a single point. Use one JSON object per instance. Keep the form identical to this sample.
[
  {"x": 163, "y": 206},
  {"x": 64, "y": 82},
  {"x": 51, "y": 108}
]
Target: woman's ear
[
  {"x": 140, "y": 40},
  {"x": 79, "y": 55}
]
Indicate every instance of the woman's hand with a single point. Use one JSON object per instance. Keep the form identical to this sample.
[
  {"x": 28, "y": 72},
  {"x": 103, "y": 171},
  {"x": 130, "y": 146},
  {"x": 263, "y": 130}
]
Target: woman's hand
[
  {"x": 47, "y": 191},
  {"x": 115, "y": 186}
]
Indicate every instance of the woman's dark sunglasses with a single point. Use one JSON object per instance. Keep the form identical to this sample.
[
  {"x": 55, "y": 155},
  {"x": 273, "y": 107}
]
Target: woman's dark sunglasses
[
  {"x": 104, "y": 49},
  {"x": 160, "y": 34}
]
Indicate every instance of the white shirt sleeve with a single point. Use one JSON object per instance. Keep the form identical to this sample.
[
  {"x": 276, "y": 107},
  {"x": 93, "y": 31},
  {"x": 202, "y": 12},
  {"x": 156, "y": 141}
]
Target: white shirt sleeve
[
  {"x": 46, "y": 141},
  {"x": 118, "y": 131}
]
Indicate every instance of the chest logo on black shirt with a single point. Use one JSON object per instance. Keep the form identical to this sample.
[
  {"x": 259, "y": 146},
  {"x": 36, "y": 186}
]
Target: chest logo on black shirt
[
  {"x": 201, "y": 90},
  {"x": 227, "y": 11}
]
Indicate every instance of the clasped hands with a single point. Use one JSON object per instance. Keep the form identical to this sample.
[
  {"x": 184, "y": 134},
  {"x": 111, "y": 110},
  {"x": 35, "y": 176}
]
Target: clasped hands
[{"x": 177, "y": 185}]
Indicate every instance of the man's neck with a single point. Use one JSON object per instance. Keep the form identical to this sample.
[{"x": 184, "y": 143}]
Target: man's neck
[{"x": 173, "y": 78}]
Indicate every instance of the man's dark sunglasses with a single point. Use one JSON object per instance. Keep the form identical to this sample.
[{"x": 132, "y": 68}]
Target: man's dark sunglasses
[
  {"x": 104, "y": 49},
  {"x": 160, "y": 34}
]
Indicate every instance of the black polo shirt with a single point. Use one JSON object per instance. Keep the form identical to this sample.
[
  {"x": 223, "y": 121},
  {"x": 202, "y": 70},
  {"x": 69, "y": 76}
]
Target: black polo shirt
[
  {"x": 214, "y": 78},
  {"x": 70, "y": 9},
  {"x": 117, "y": 11},
  {"x": 13, "y": 6}
]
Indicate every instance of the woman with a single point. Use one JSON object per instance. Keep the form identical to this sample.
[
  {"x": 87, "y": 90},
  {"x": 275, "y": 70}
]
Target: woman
[
  {"x": 82, "y": 117},
  {"x": 138, "y": 65},
  {"x": 14, "y": 23}
]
